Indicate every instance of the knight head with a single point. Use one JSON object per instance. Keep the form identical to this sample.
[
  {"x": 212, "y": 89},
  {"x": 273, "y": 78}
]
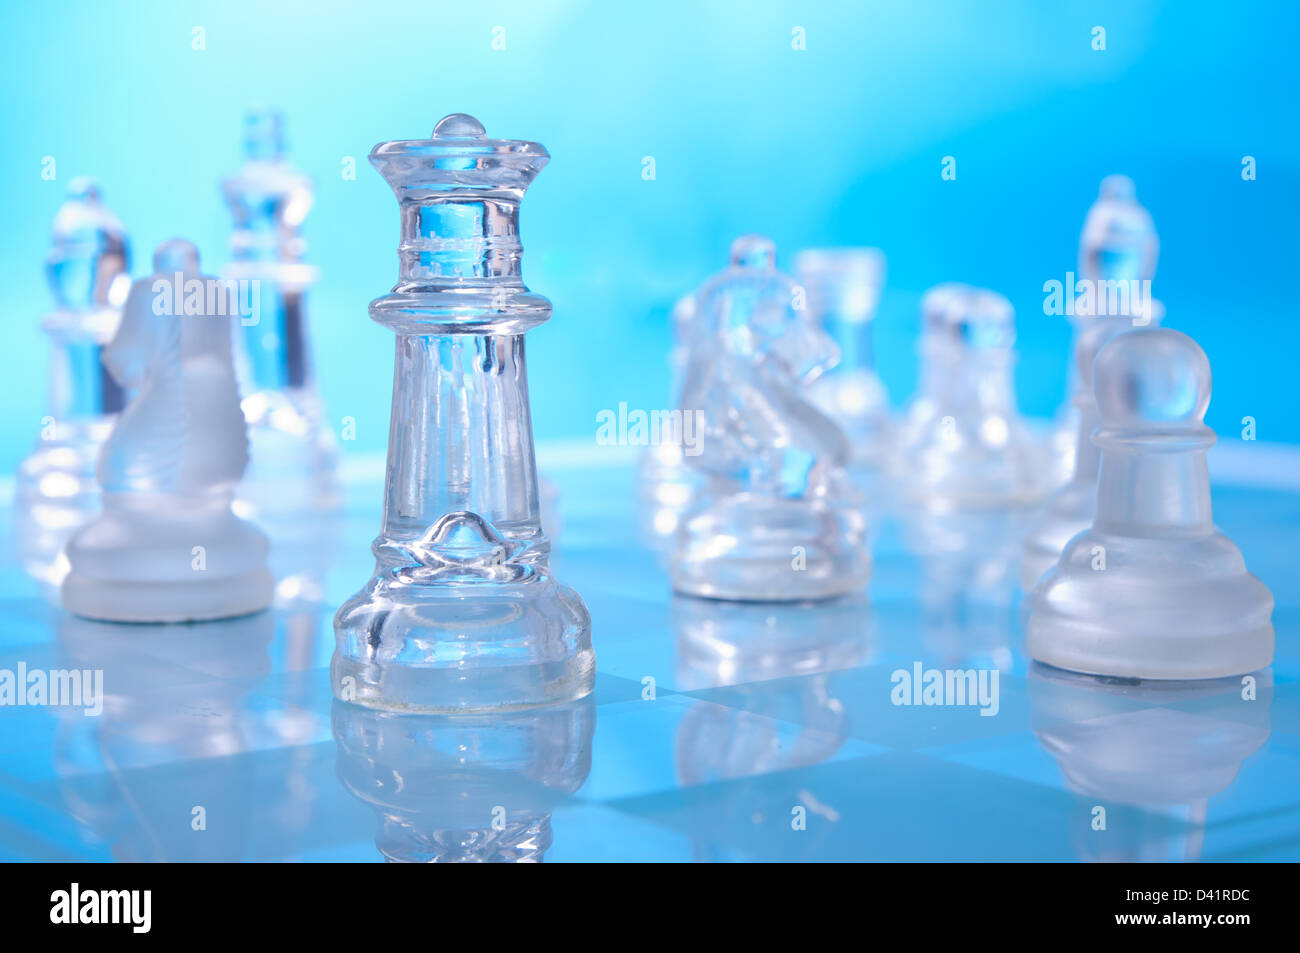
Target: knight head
[
  {"x": 760, "y": 313},
  {"x": 176, "y": 255}
]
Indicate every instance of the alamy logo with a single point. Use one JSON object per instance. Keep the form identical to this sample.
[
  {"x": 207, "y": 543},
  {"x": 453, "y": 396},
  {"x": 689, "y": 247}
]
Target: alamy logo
[
  {"x": 949, "y": 688},
  {"x": 654, "y": 428},
  {"x": 57, "y": 688},
  {"x": 1099, "y": 298},
  {"x": 213, "y": 297},
  {"x": 74, "y": 905}
]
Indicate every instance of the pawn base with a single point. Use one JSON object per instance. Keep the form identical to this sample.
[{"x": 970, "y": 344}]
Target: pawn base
[{"x": 1151, "y": 609}]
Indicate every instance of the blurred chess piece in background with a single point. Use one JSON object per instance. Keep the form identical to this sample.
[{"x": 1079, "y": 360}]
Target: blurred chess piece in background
[
  {"x": 843, "y": 289},
  {"x": 1071, "y": 508},
  {"x": 55, "y": 488},
  {"x": 665, "y": 483},
  {"x": 777, "y": 518},
  {"x": 1118, "y": 251},
  {"x": 963, "y": 443},
  {"x": 293, "y": 454}
]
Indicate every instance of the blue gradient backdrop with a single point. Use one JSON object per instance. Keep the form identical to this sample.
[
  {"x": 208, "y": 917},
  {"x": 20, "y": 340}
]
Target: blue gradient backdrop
[{"x": 840, "y": 143}]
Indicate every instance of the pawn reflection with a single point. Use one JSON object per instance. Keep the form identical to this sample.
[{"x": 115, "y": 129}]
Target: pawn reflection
[
  {"x": 464, "y": 788},
  {"x": 1149, "y": 753},
  {"x": 158, "y": 774}
]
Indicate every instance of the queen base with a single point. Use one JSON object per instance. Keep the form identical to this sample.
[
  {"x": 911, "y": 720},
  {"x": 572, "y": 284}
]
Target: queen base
[
  {"x": 462, "y": 646},
  {"x": 1152, "y": 609},
  {"x": 167, "y": 562},
  {"x": 755, "y": 549}
]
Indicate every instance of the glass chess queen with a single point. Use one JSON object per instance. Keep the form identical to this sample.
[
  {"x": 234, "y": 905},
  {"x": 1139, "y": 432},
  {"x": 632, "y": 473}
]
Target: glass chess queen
[{"x": 462, "y": 612}]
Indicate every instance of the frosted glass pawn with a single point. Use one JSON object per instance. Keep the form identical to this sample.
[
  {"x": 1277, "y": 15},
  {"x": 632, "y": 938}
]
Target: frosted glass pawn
[
  {"x": 1152, "y": 590},
  {"x": 167, "y": 547}
]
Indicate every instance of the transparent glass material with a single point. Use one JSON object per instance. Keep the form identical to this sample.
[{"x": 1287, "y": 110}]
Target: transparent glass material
[
  {"x": 1071, "y": 508},
  {"x": 55, "y": 488},
  {"x": 1147, "y": 743},
  {"x": 778, "y": 664},
  {"x": 963, "y": 443},
  {"x": 167, "y": 546},
  {"x": 464, "y": 788},
  {"x": 776, "y": 517},
  {"x": 462, "y": 612},
  {"x": 1118, "y": 244},
  {"x": 843, "y": 289},
  {"x": 1152, "y": 590},
  {"x": 293, "y": 459},
  {"x": 665, "y": 484}
]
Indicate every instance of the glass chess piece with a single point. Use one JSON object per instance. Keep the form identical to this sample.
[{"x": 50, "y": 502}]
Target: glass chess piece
[
  {"x": 843, "y": 289},
  {"x": 963, "y": 443},
  {"x": 1153, "y": 753},
  {"x": 293, "y": 455},
  {"x": 1152, "y": 590},
  {"x": 466, "y": 788},
  {"x": 167, "y": 547},
  {"x": 1118, "y": 252},
  {"x": 666, "y": 485},
  {"x": 462, "y": 612},
  {"x": 55, "y": 488},
  {"x": 776, "y": 518},
  {"x": 1070, "y": 509}
]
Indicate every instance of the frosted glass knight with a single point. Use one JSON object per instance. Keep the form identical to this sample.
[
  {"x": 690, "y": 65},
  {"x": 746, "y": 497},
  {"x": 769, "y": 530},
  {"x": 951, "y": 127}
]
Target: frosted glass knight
[
  {"x": 293, "y": 453},
  {"x": 55, "y": 488},
  {"x": 167, "y": 547},
  {"x": 776, "y": 519}
]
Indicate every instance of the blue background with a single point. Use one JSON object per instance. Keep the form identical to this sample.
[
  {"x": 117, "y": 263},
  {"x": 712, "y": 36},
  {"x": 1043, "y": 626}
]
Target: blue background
[{"x": 840, "y": 143}]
